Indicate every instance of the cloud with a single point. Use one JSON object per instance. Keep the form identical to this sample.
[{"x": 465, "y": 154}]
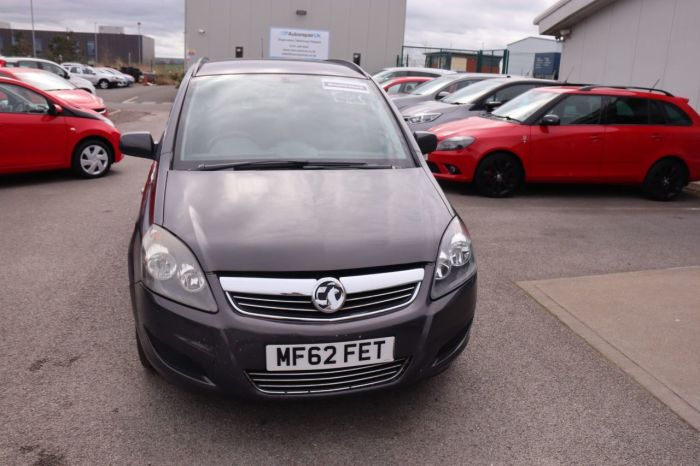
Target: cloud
[{"x": 437, "y": 23}]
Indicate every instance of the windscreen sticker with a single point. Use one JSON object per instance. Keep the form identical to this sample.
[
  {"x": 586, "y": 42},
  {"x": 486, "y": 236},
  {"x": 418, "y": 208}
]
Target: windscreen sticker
[{"x": 345, "y": 86}]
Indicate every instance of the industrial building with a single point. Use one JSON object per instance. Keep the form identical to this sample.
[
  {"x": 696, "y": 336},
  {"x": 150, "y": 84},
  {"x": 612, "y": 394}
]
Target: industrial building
[
  {"x": 629, "y": 42},
  {"x": 368, "y": 32},
  {"x": 100, "y": 47},
  {"x": 524, "y": 53}
]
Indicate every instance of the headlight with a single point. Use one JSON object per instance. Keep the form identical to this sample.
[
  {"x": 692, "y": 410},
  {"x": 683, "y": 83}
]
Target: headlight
[
  {"x": 424, "y": 118},
  {"x": 457, "y": 143},
  {"x": 455, "y": 262},
  {"x": 171, "y": 270}
]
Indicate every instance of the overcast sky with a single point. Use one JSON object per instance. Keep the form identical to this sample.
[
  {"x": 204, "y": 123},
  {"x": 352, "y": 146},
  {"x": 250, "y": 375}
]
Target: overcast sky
[{"x": 436, "y": 23}]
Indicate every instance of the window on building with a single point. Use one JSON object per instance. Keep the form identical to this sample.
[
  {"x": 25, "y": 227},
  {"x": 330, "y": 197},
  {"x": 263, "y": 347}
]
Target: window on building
[{"x": 90, "y": 48}]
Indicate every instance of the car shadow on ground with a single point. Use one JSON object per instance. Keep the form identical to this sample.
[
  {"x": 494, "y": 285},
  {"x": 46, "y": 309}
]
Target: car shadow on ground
[
  {"x": 573, "y": 191},
  {"x": 48, "y": 177}
]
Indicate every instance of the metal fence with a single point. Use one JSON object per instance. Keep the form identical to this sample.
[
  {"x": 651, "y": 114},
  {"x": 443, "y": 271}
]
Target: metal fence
[{"x": 473, "y": 61}]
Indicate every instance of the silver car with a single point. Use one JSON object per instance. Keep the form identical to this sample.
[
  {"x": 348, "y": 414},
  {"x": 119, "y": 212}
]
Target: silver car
[{"x": 99, "y": 78}]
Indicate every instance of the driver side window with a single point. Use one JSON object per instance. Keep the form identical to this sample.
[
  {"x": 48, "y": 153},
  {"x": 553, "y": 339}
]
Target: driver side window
[
  {"x": 17, "y": 99},
  {"x": 579, "y": 110}
]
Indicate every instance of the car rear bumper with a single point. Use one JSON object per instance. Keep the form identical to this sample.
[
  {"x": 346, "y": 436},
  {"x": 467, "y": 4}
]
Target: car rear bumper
[{"x": 217, "y": 351}]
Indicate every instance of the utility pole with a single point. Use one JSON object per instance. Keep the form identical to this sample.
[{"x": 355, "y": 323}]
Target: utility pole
[
  {"x": 96, "y": 44},
  {"x": 31, "y": 9}
]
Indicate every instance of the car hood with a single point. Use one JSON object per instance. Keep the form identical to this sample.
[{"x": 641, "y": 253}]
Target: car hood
[
  {"x": 431, "y": 107},
  {"x": 305, "y": 220},
  {"x": 473, "y": 125},
  {"x": 79, "y": 98},
  {"x": 402, "y": 100}
]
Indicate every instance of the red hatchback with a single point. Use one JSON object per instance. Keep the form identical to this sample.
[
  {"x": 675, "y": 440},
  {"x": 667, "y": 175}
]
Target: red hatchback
[
  {"x": 586, "y": 134},
  {"x": 57, "y": 86},
  {"x": 39, "y": 131}
]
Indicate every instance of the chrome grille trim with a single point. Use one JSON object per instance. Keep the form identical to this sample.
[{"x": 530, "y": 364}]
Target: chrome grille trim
[
  {"x": 323, "y": 381},
  {"x": 290, "y": 299}
]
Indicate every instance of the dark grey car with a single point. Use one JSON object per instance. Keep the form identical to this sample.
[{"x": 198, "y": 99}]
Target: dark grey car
[
  {"x": 439, "y": 88},
  {"x": 481, "y": 97},
  {"x": 291, "y": 241}
]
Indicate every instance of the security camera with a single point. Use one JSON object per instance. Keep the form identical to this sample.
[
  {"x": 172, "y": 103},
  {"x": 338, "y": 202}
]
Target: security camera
[{"x": 565, "y": 32}]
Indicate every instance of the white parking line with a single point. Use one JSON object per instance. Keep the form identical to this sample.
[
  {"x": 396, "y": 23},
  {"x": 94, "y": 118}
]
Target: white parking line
[
  {"x": 115, "y": 112},
  {"x": 148, "y": 102},
  {"x": 128, "y": 101}
]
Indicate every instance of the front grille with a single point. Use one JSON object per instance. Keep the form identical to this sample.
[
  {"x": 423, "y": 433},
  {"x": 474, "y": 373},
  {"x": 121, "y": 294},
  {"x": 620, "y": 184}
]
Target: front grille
[
  {"x": 330, "y": 380},
  {"x": 291, "y": 299},
  {"x": 294, "y": 307}
]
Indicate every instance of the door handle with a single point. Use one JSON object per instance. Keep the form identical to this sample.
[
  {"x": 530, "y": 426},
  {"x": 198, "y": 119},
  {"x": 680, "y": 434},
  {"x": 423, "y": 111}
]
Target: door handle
[{"x": 596, "y": 138}]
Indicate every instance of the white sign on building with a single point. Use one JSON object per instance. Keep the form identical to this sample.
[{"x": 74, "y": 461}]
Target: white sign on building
[{"x": 299, "y": 43}]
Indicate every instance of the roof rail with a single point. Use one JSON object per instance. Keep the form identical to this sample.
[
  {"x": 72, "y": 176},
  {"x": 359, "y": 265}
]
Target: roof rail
[
  {"x": 199, "y": 64},
  {"x": 631, "y": 88},
  {"x": 349, "y": 64}
]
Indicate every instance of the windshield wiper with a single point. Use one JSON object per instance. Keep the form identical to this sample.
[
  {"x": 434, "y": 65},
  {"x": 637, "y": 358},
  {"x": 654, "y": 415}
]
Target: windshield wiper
[
  {"x": 505, "y": 117},
  {"x": 293, "y": 164}
]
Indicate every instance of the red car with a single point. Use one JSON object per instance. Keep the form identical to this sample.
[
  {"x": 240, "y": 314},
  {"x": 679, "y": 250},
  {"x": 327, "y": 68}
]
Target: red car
[
  {"x": 586, "y": 134},
  {"x": 57, "y": 86},
  {"x": 39, "y": 131},
  {"x": 404, "y": 85}
]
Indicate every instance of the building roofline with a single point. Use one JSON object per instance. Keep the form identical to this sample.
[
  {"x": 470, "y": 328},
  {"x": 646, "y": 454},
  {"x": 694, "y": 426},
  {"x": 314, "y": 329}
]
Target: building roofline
[
  {"x": 548, "y": 39},
  {"x": 566, "y": 13}
]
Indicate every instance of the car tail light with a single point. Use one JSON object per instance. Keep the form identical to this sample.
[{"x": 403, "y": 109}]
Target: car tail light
[{"x": 3, "y": 62}]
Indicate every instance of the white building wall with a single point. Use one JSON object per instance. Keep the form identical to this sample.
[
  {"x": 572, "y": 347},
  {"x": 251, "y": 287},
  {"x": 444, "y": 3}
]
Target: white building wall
[
  {"x": 374, "y": 28},
  {"x": 637, "y": 42},
  {"x": 521, "y": 54}
]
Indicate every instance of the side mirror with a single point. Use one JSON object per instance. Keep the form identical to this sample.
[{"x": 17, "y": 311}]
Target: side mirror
[
  {"x": 426, "y": 141},
  {"x": 441, "y": 95},
  {"x": 551, "y": 120},
  {"x": 55, "y": 109},
  {"x": 492, "y": 105},
  {"x": 138, "y": 144}
]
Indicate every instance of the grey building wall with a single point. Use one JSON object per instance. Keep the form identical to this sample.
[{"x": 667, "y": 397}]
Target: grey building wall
[
  {"x": 521, "y": 54},
  {"x": 637, "y": 42},
  {"x": 374, "y": 28},
  {"x": 110, "y": 47}
]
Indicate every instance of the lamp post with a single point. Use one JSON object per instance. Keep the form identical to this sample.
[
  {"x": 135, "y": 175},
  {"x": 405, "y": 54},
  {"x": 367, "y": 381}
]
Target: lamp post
[
  {"x": 96, "y": 44},
  {"x": 138, "y": 24},
  {"x": 31, "y": 10}
]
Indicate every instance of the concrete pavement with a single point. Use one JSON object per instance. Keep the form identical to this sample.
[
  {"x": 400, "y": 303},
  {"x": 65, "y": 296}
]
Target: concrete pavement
[{"x": 645, "y": 322}]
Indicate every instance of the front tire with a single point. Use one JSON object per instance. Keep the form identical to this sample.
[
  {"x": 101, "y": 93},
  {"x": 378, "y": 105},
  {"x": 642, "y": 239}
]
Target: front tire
[
  {"x": 103, "y": 84},
  {"x": 498, "y": 175},
  {"x": 92, "y": 158},
  {"x": 665, "y": 180}
]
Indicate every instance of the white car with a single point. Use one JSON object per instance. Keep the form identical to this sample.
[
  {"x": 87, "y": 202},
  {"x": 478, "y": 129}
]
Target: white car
[
  {"x": 99, "y": 78},
  {"x": 48, "y": 65}
]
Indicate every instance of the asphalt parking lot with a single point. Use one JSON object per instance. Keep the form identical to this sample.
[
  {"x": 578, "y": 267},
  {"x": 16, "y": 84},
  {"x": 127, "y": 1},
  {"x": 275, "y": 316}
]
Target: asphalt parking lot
[{"x": 527, "y": 390}]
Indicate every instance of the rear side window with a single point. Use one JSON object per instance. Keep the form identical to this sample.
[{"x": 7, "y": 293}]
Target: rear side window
[
  {"x": 632, "y": 111},
  {"x": 28, "y": 64},
  {"x": 508, "y": 93},
  {"x": 675, "y": 116}
]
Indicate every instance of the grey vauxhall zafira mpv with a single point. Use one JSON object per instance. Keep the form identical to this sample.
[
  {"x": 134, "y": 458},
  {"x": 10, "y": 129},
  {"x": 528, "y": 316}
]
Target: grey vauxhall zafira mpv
[{"x": 291, "y": 241}]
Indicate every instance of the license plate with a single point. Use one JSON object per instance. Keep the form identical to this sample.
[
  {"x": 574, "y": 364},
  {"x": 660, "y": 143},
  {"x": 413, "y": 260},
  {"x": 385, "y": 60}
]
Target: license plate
[{"x": 329, "y": 355}]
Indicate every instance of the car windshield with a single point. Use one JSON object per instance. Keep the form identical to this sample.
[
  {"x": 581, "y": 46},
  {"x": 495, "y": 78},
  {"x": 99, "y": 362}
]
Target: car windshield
[
  {"x": 278, "y": 117},
  {"x": 525, "y": 105},
  {"x": 435, "y": 85},
  {"x": 474, "y": 92},
  {"x": 46, "y": 81}
]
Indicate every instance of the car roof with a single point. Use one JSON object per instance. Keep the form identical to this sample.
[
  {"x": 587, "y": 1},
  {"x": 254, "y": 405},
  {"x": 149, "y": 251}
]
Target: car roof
[
  {"x": 419, "y": 68},
  {"x": 612, "y": 91},
  {"x": 276, "y": 66},
  {"x": 21, "y": 70}
]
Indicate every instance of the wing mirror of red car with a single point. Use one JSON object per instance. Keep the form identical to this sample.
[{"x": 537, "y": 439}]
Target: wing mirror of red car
[
  {"x": 427, "y": 142},
  {"x": 138, "y": 144},
  {"x": 551, "y": 120},
  {"x": 55, "y": 109}
]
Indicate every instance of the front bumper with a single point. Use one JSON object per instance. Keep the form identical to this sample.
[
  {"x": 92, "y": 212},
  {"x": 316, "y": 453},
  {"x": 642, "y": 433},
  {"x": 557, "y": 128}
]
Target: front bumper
[{"x": 215, "y": 351}]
